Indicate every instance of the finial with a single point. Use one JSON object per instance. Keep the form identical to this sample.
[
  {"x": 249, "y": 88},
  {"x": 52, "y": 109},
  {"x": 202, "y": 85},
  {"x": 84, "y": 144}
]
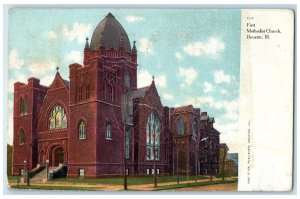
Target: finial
[
  {"x": 133, "y": 47},
  {"x": 87, "y": 45},
  {"x": 110, "y": 15},
  {"x": 153, "y": 78},
  {"x": 57, "y": 68}
]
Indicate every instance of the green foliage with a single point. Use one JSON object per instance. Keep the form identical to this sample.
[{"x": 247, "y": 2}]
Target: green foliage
[
  {"x": 166, "y": 187},
  {"x": 132, "y": 180},
  {"x": 54, "y": 187},
  {"x": 13, "y": 179}
]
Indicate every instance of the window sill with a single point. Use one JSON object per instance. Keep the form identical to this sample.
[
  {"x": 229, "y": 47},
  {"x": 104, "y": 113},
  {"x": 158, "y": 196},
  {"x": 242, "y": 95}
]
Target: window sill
[
  {"x": 108, "y": 138},
  {"x": 82, "y": 138}
]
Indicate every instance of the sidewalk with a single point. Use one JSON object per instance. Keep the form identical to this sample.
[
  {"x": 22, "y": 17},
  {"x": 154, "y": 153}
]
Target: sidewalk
[{"x": 106, "y": 187}]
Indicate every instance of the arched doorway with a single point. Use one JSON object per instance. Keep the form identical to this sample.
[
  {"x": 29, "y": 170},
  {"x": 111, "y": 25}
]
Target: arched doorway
[
  {"x": 42, "y": 157},
  {"x": 57, "y": 156}
]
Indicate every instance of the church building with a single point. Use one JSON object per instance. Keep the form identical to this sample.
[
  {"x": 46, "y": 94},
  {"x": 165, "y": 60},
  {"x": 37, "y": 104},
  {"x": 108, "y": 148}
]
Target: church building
[{"x": 98, "y": 123}]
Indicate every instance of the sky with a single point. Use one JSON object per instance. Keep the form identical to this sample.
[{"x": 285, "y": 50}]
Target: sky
[{"x": 194, "y": 54}]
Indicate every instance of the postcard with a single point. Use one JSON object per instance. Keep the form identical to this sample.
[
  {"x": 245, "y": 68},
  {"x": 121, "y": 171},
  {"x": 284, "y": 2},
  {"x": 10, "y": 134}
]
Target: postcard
[{"x": 150, "y": 99}]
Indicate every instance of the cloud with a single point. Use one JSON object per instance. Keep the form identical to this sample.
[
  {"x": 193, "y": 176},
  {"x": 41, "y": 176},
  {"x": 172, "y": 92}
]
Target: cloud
[
  {"x": 51, "y": 35},
  {"x": 79, "y": 31},
  {"x": 10, "y": 126},
  {"x": 220, "y": 77},
  {"x": 179, "y": 56},
  {"x": 40, "y": 68},
  {"x": 131, "y": 18},
  {"x": 47, "y": 80},
  {"x": 161, "y": 81},
  {"x": 168, "y": 96},
  {"x": 10, "y": 104},
  {"x": 201, "y": 101},
  {"x": 144, "y": 78},
  {"x": 224, "y": 91},
  {"x": 189, "y": 75},
  {"x": 74, "y": 57},
  {"x": 145, "y": 45},
  {"x": 231, "y": 115},
  {"x": 208, "y": 87},
  {"x": 10, "y": 84},
  {"x": 211, "y": 47},
  {"x": 231, "y": 127},
  {"x": 229, "y": 105},
  {"x": 14, "y": 62}
]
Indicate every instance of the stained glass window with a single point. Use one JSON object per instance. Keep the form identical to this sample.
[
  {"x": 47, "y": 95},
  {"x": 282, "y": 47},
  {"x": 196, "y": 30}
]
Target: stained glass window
[
  {"x": 153, "y": 137},
  {"x": 180, "y": 126},
  {"x": 82, "y": 130},
  {"x": 57, "y": 118}
]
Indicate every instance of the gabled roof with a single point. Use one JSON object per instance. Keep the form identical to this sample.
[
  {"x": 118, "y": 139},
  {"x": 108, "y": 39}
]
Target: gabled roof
[
  {"x": 59, "y": 82},
  {"x": 138, "y": 93},
  {"x": 67, "y": 83},
  {"x": 127, "y": 107}
]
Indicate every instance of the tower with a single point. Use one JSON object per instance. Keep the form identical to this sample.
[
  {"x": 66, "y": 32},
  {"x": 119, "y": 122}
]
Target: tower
[
  {"x": 26, "y": 106},
  {"x": 97, "y": 87}
]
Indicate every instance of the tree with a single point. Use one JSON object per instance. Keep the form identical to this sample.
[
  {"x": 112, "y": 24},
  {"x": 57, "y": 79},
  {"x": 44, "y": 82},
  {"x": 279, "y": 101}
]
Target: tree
[{"x": 121, "y": 126}]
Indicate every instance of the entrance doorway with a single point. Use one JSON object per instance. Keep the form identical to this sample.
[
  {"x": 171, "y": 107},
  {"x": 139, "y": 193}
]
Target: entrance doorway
[{"x": 57, "y": 156}]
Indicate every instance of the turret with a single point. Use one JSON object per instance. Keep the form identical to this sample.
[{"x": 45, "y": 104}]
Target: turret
[{"x": 86, "y": 53}]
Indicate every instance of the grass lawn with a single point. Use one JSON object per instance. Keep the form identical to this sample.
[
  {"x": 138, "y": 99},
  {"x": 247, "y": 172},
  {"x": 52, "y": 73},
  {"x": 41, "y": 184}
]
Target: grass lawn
[
  {"x": 132, "y": 180},
  {"x": 166, "y": 187},
  {"x": 13, "y": 178},
  {"x": 53, "y": 187}
]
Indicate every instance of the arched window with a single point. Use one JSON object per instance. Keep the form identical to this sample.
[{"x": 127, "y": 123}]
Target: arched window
[
  {"x": 181, "y": 126},
  {"x": 108, "y": 130},
  {"x": 57, "y": 118},
  {"x": 82, "y": 130},
  {"x": 153, "y": 137},
  {"x": 127, "y": 80},
  {"x": 22, "y": 137},
  {"x": 23, "y": 105},
  {"x": 194, "y": 126}
]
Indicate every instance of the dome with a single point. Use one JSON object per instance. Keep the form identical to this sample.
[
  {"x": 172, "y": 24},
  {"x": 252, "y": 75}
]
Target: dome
[{"x": 111, "y": 34}]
